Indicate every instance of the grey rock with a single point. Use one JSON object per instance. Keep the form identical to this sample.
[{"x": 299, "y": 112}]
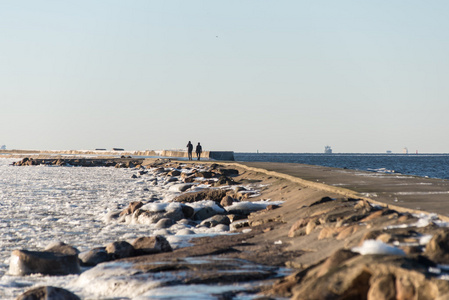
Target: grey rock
[
  {"x": 48, "y": 293},
  {"x": 94, "y": 256},
  {"x": 216, "y": 220},
  {"x": 164, "y": 223},
  {"x": 204, "y": 213},
  {"x": 24, "y": 262}
]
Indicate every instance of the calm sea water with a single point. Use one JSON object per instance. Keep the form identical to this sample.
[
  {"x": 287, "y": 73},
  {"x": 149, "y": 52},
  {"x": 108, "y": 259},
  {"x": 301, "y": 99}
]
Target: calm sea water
[{"x": 425, "y": 165}]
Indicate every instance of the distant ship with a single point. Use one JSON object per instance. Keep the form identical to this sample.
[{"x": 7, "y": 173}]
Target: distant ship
[{"x": 327, "y": 150}]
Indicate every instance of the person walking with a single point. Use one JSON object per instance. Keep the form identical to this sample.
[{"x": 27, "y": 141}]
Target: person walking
[
  {"x": 189, "y": 150},
  {"x": 199, "y": 149}
]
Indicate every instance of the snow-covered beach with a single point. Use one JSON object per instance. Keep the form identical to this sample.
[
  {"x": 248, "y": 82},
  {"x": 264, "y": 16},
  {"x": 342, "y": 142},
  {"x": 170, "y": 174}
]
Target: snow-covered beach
[{"x": 41, "y": 205}]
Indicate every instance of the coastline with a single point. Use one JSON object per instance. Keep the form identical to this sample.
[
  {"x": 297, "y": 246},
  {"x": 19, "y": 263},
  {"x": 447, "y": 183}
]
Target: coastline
[{"x": 325, "y": 211}]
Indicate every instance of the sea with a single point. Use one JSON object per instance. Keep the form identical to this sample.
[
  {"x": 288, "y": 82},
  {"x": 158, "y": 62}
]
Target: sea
[
  {"x": 40, "y": 205},
  {"x": 423, "y": 165}
]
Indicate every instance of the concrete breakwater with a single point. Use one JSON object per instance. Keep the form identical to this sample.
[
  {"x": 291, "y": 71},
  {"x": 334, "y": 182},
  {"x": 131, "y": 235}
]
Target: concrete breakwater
[{"x": 214, "y": 155}]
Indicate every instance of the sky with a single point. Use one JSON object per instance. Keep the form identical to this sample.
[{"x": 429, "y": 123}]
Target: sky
[{"x": 244, "y": 76}]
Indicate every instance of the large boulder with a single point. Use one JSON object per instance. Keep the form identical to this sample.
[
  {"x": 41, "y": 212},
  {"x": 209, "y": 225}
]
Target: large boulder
[
  {"x": 204, "y": 213},
  {"x": 48, "y": 293},
  {"x": 144, "y": 216},
  {"x": 94, "y": 256},
  {"x": 120, "y": 249},
  {"x": 24, "y": 262},
  {"x": 209, "y": 194},
  {"x": 151, "y": 245},
  {"x": 370, "y": 277}
]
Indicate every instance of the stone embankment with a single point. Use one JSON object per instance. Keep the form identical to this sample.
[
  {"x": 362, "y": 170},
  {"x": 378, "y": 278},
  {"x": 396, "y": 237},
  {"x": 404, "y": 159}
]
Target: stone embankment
[
  {"x": 336, "y": 247},
  {"x": 213, "y": 155}
]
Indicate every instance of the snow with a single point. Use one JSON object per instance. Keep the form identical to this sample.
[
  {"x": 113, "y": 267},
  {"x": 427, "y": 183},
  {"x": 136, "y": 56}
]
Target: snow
[{"x": 377, "y": 247}]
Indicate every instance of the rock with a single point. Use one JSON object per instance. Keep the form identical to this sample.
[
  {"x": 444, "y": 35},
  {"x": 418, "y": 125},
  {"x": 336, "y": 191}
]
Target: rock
[
  {"x": 188, "y": 211},
  {"x": 438, "y": 247},
  {"x": 226, "y": 201},
  {"x": 120, "y": 249},
  {"x": 204, "y": 174},
  {"x": 216, "y": 220},
  {"x": 405, "y": 290},
  {"x": 94, "y": 256},
  {"x": 363, "y": 204},
  {"x": 382, "y": 288},
  {"x": 132, "y": 207},
  {"x": 174, "y": 212},
  {"x": 272, "y": 207},
  {"x": 174, "y": 173},
  {"x": 224, "y": 180},
  {"x": 48, "y": 293},
  {"x": 164, "y": 223},
  {"x": 228, "y": 172},
  {"x": 151, "y": 245},
  {"x": 204, "y": 213},
  {"x": 333, "y": 261},
  {"x": 310, "y": 226},
  {"x": 188, "y": 179},
  {"x": 209, "y": 194},
  {"x": 62, "y": 248},
  {"x": 172, "y": 179},
  {"x": 296, "y": 228},
  {"x": 24, "y": 262},
  {"x": 322, "y": 200},
  {"x": 370, "y": 277},
  {"x": 347, "y": 232}
]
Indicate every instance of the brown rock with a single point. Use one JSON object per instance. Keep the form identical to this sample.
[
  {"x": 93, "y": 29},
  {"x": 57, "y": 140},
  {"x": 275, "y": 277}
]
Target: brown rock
[
  {"x": 132, "y": 207},
  {"x": 385, "y": 237},
  {"x": 438, "y": 247},
  {"x": 347, "y": 232},
  {"x": 310, "y": 226},
  {"x": 226, "y": 201},
  {"x": 405, "y": 290},
  {"x": 382, "y": 288},
  {"x": 328, "y": 232},
  {"x": 151, "y": 245},
  {"x": 333, "y": 261},
  {"x": 120, "y": 249},
  {"x": 295, "y": 228},
  {"x": 363, "y": 204}
]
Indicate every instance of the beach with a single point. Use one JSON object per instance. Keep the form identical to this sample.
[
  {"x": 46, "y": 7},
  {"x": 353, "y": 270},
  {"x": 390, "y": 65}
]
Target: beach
[{"x": 321, "y": 233}]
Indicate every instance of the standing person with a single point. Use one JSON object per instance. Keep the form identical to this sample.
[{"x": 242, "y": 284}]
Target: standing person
[
  {"x": 189, "y": 150},
  {"x": 199, "y": 149}
]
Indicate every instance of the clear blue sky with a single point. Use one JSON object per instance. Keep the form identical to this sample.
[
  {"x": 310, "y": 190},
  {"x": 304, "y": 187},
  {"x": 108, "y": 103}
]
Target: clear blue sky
[{"x": 273, "y": 76}]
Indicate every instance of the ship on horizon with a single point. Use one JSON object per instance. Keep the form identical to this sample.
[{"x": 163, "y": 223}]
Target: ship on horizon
[{"x": 327, "y": 150}]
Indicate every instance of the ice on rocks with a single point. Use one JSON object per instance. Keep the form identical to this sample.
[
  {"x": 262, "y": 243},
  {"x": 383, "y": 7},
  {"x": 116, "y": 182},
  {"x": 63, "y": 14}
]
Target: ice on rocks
[
  {"x": 377, "y": 247},
  {"x": 82, "y": 206}
]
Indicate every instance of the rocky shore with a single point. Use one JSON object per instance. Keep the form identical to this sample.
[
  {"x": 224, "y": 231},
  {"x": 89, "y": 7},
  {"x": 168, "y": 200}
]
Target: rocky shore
[{"x": 302, "y": 242}]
